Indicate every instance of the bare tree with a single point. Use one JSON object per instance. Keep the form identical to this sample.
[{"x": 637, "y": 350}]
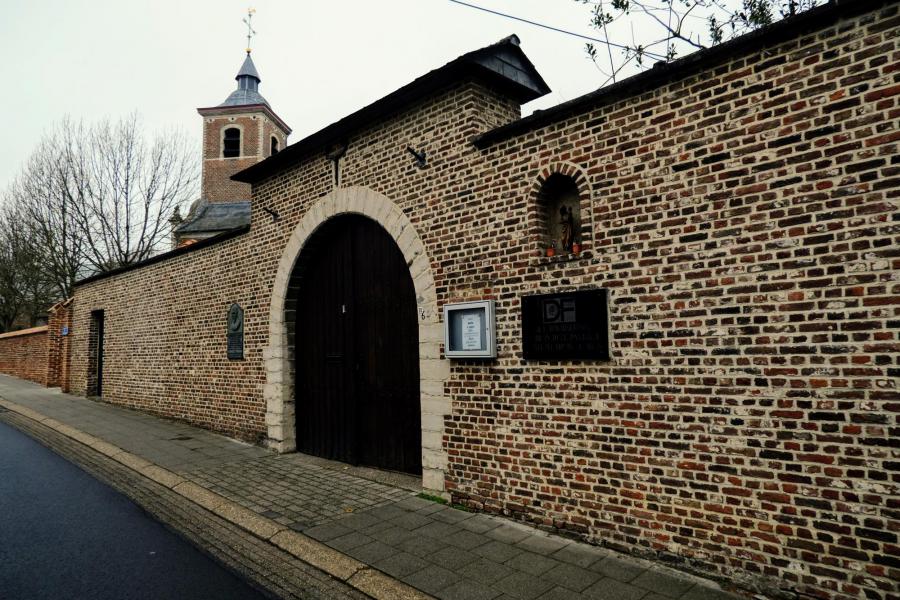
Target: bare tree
[
  {"x": 661, "y": 30},
  {"x": 128, "y": 187},
  {"x": 100, "y": 196},
  {"x": 41, "y": 202},
  {"x": 25, "y": 293}
]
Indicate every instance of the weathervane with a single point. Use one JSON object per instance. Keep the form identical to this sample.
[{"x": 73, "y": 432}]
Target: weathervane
[{"x": 250, "y": 31}]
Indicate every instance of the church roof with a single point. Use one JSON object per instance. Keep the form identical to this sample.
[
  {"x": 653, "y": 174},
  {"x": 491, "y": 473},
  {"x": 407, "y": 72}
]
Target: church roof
[
  {"x": 502, "y": 66},
  {"x": 244, "y": 98},
  {"x": 217, "y": 216},
  {"x": 247, "y": 92}
]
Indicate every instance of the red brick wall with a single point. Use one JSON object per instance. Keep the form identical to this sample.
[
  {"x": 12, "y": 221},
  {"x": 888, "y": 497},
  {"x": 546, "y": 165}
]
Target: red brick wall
[
  {"x": 23, "y": 354},
  {"x": 744, "y": 219},
  {"x": 58, "y": 345}
]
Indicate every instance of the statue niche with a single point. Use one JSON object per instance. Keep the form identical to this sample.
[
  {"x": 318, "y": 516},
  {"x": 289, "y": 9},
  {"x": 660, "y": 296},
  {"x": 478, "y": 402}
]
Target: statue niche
[{"x": 560, "y": 216}]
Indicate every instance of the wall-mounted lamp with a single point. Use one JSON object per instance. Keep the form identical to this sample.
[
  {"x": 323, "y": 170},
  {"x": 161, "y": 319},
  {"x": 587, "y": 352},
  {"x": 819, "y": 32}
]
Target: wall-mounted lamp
[{"x": 272, "y": 213}]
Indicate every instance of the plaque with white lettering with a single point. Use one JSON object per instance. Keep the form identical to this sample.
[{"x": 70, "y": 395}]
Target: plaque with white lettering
[{"x": 568, "y": 326}]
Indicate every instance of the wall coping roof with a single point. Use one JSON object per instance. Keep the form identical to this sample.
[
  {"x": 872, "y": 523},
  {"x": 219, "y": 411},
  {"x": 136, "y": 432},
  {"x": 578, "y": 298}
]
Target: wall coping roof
[
  {"x": 503, "y": 65},
  {"x": 663, "y": 72}
]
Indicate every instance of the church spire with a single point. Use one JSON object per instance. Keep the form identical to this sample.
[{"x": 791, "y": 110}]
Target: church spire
[{"x": 248, "y": 79}]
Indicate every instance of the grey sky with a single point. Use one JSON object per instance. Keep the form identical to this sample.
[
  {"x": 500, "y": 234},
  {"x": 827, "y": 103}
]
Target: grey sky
[{"x": 319, "y": 60}]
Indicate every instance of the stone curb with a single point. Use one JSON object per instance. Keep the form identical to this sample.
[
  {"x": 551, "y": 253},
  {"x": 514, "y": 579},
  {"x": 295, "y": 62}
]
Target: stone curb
[{"x": 354, "y": 573}]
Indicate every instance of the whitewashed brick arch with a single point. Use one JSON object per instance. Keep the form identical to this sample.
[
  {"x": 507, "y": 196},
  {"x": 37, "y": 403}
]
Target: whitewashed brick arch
[{"x": 433, "y": 372}]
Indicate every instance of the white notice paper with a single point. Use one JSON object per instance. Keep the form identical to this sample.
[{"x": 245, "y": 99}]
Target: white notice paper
[{"x": 471, "y": 331}]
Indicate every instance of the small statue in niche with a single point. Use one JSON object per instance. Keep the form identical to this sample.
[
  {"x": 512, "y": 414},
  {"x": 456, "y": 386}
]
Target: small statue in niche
[{"x": 567, "y": 228}]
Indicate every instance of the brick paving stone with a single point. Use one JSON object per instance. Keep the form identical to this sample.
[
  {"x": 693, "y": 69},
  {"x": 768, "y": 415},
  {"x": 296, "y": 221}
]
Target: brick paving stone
[
  {"x": 559, "y": 593},
  {"x": 414, "y": 503},
  {"x": 701, "y": 592},
  {"x": 382, "y": 526},
  {"x": 422, "y": 546},
  {"x": 522, "y": 586},
  {"x": 663, "y": 583},
  {"x": 531, "y": 563},
  {"x": 508, "y": 533},
  {"x": 542, "y": 544},
  {"x": 411, "y": 520},
  {"x": 497, "y": 551},
  {"x": 452, "y": 558},
  {"x": 432, "y": 579},
  {"x": 372, "y": 552},
  {"x": 400, "y": 565},
  {"x": 435, "y": 507},
  {"x": 392, "y": 535},
  {"x": 618, "y": 568},
  {"x": 484, "y": 570},
  {"x": 580, "y": 555},
  {"x": 326, "y": 532},
  {"x": 467, "y": 590},
  {"x": 480, "y": 524},
  {"x": 612, "y": 589},
  {"x": 571, "y": 577},
  {"x": 451, "y": 515},
  {"x": 350, "y": 541},
  {"x": 437, "y": 530},
  {"x": 358, "y": 521},
  {"x": 467, "y": 540},
  {"x": 390, "y": 511}
]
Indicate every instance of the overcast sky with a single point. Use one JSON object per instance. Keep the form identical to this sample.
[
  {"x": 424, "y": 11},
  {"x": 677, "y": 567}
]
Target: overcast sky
[{"x": 319, "y": 59}]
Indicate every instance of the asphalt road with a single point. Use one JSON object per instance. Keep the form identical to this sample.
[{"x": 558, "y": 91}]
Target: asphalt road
[{"x": 64, "y": 534}]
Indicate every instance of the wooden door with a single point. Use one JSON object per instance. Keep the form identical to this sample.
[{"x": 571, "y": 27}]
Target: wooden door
[{"x": 356, "y": 341}]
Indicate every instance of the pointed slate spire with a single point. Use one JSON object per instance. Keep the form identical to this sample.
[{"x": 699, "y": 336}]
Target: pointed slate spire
[
  {"x": 248, "y": 69},
  {"x": 247, "y": 91}
]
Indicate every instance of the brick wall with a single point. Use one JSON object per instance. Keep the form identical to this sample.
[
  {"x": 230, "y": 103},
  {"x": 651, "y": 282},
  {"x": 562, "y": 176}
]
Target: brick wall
[
  {"x": 743, "y": 215},
  {"x": 23, "y": 354},
  {"x": 60, "y": 322},
  {"x": 164, "y": 339},
  {"x": 745, "y": 220}
]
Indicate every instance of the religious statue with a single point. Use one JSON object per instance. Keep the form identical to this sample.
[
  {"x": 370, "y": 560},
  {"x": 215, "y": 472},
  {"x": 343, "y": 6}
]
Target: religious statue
[{"x": 567, "y": 228}]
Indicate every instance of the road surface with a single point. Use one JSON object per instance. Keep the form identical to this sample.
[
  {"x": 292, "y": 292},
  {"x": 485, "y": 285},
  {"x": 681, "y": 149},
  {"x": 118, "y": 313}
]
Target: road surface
[{"x": 63, "y": 534}]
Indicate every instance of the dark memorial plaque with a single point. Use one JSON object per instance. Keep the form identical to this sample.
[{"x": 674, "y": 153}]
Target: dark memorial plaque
[
  {"x": 235, "y": 332},
  {"x": 573, "y": 325}
]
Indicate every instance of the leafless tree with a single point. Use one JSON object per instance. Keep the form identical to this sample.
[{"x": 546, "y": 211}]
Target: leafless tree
[
  {"x": 99, "y": 196},
  {"x": 40, "y": 201},
  {"x": 25, "y": 292},
  {"x": 661, "y": 30}
]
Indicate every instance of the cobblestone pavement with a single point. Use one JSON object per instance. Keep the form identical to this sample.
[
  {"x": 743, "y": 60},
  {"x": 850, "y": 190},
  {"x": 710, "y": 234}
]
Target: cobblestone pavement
[
  {"x": 295, "y": 491},
  {"x": 449, "y": 553}
]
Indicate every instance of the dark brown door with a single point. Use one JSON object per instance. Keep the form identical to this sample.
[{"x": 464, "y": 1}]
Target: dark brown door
[{"x": 356, "y": 341}]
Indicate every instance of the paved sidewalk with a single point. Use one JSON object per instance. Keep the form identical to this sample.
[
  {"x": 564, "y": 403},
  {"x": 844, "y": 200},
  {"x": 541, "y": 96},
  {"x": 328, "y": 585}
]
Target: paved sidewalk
[{"x": 372, "y": 517}]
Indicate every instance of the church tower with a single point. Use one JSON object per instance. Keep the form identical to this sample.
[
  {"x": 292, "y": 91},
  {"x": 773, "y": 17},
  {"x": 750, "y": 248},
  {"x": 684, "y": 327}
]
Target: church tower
[{"x": 240, "y": 132}]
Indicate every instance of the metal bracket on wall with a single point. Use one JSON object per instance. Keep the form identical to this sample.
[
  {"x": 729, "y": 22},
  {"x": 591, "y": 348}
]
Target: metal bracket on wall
[{"x": 419, "y": 156}]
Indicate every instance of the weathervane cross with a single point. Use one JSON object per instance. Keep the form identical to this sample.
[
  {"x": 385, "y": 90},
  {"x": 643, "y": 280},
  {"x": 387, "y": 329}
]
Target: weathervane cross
[{"x": 250, "y": 31}]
